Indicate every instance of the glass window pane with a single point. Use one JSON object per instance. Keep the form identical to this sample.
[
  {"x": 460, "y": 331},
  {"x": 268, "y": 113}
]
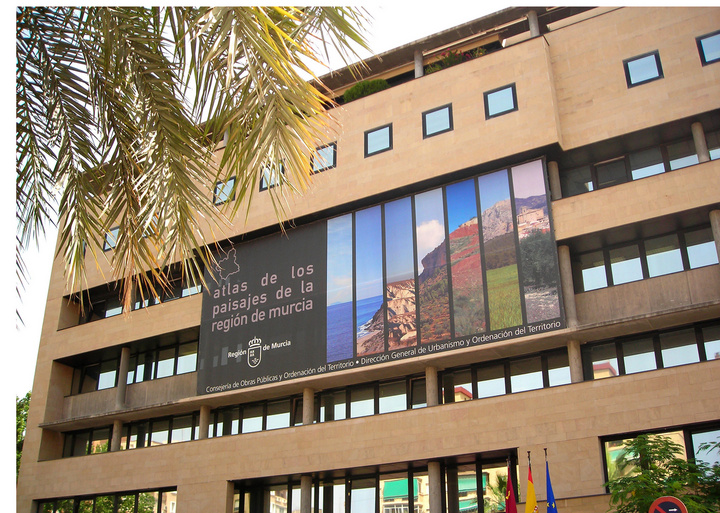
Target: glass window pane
[
  {"x": 679, "y": 348},
  {"x": 713, "y": 144},
  {"x": 491, "y": 381},
  {"x": 393, "y": 397},
  {"x": 252, "y": 418},
  {"x": 558, "y": 369},
  {"x": 160, "y": 432},
  {"x": 324, "y": 158},
  {"x": 132, "y": 366},
  {"x": 526, "y": 374},
  {"x": 611, "y": 173},
  {"x": 278, "y": 414},
  {"x": 111, "y": 238},
  {"x": 332, "y": 406},
  {"x": 228, "y": 422},
  {"x": 642, "y": 69},
  {"x": 86, "y": 506},
  {"x": 621, "y": 463},
  {"x": 419, "y": 393},
  {"x": 394, "y": 493},
  {"x": 710, "y": 48},
  {"x": 682, "y": 154},
  {"x": 104, "y": 503},
  {"x": 81, "y": 443},
  {"x": 166, "y": 363},
  {"x": 437, "y": 121},
  {"x": 604, "y": 361},
  {"x": 701, "y": 248},
  {"x": 126, "y": 504},
  {"x": 467, "y": 490},
  {"x": 138, "y": 435},
  {"x": 625, "y": 264},
  {"x": 223, "y": 191},
  {"x": 576, "y": 181},
  {"x": 711, "y": 338},
  {"x": 592, "y": 268},
  {"x": 646, "y": 163},
  {"x": 377, "y": 140},
  {"x": 663, "y": 255},
  {"x": 100, "y": 441},
  {"x": 362, "y": 496},
  {"x": 187, "y": 358},
  {"x": 169, "y": 502},
  {"x": 91, "y": 374},
  {"x": 460, "y": 383},
  {"x": 113, "y": 307},
  {"x": 639, "y": 355},
  {"x": 108, "y": 371},
  {"x": 182, "y": 429},
  {"x": 499, "y": 102},
  {"x": 362, "y": 402},
  {"x": 494, "y": 487},
  {"x": 706, "y": 437}
]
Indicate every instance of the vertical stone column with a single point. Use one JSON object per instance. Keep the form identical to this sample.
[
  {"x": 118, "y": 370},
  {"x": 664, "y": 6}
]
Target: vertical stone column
[
  {"x": 436, "y": 487},
  {"x": 116, "y": 435},
  {"x": 121, "y": 392},
  {"x": 431, "y": 386},
  {"x": 308, "y": 413},
  {"x": 700, "y": 142},
  {"x": 419, "y": 69},
  {"x": 204, "y": 421},
  {"x": 567, "y": 286},
  {"x": 715, "y": 225},
  {"x": 554, "y": 178},
  {"x": 306, "y": 489},
  {"x": 575, "y": 361},
  {"x": 533, "y": 22}
]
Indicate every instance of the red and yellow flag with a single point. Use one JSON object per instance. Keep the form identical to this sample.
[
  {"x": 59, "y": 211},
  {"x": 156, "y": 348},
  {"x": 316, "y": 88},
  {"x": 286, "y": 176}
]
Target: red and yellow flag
[{"x": 531, "y": 500}]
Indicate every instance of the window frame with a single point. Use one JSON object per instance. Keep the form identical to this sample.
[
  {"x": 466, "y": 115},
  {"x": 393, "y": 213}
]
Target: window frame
[
  {"x": 450, "y": 128},
  {"x": 389, "y": 127},
  {"x": 701, "y": 51},
  {"x": 219, "y": 189},
  {"x": 109, "y": 244},
  {"x": 486, "y": 96},
  {"x": 331, "y": 165},
  {"x": 264, "y": 186},
  {"x": 628, "y": 75}
]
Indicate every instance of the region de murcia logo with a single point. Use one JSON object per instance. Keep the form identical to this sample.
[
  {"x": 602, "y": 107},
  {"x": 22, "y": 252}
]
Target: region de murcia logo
[{"x": 254, "y": 352}]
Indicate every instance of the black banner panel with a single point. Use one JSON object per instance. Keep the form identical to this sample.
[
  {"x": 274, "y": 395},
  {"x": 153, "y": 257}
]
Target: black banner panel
[{"x": 469, "y": 263}]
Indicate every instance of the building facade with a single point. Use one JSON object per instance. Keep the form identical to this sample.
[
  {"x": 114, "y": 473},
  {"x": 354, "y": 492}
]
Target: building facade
[{"x": 465, "y": 344}]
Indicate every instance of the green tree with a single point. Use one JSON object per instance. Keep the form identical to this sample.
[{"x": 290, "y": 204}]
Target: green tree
[
  {"x": 651, "y": 468},
  {"x": 118, "y": 109},
  {"x": 21, "y": 412}
]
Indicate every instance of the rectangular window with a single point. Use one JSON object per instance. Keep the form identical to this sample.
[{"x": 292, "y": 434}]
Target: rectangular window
[
  {"x": 160, "y": 432},
  {"x": 709, "y": 48},
  {"x": 332, "y": 406},
  {"x": 577, "y": 181},
  {"x": 625, "y": 264},
  {"x": 701, "y": 248},
  {"x": 437, "y": 121},
  {"x": 418, "y": 393},
  {"x": 604, "y": 361},
  {"x": 252, "y": 418},
  {"x": 278, "y": 414},
  {"x": 646, "y": 163},
  {"x": 711, "y": 339},
  {"x": 679, "y": 348},
  {"x": 111, "y": 238},
  {"x": 325, "y": 158},
  {"x": 592, "y": 269},
  {"x": 271, "y": 177},
  {"x": 393, "y": 397},
  {"x": 224, "y": 191},
  {"x": 558, "y": 369},
  {"x": 182, "y": 429},
  {"x": 526, "y": 375},
  {"x": 187, "y": 358},
  {"x": 500, "y": 101},
  {"x": 611, "y": 173},
  {"x": 639, "y": 355},
  {"x": 362, "y": 401},
  {"x": 108, "y": 373},
  {"x": 642, "y": 69},
  {"x": 166, "y": 363},
  {"x": 682, "y": 154},
  {"x": 663, "y": 255},
  {"x": 378, "y": 140},
  {"x": 713, "y": 144},
  {"x": 491, "y": 381}
]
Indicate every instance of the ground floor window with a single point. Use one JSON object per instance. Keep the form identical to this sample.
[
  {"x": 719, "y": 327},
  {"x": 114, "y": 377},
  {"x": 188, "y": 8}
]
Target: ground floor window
[
  {"x": 399, "y": 488},
  {"x": 149, "y": 501}
]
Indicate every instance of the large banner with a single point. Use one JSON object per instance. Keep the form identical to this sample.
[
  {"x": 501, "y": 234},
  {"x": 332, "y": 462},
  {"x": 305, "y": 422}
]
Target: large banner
[{"x": 469, "y": 263}]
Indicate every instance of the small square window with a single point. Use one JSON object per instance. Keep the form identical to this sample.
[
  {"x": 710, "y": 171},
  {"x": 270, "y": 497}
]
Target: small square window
[
  {"x": 642, "y": 69},
  {"x": 437, "y": 121},
  {"x": 500, "y": 101},
  {"x": 378, "y": 140},
  {"x": 111, "y": 238},
  {"x": 270, "y": 177},
  {"x": 324, "y": 158},
  {"x": 709, "y": 48},
  {"x": 224, "y": 191}
]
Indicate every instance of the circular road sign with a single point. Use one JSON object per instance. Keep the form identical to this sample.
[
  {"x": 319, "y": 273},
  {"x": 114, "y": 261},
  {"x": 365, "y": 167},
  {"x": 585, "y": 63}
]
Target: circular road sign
[{"x": 668, "y": 505}]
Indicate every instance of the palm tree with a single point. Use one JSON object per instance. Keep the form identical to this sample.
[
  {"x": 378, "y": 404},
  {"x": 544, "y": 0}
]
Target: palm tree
[{"x": 118, "y": 110}]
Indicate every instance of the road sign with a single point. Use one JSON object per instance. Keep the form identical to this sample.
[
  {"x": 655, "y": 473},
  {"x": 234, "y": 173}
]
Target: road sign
[{"x": 668, "y": 505}]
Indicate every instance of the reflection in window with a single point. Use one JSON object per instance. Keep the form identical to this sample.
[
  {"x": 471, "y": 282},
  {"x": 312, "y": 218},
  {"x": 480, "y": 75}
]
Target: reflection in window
[
  {"x": 418, "y": 393},
  {"x": 625, "y": 264},
  {"x": 576, "y": 181},
  {"x": 224, "y": 191},
  {"x": 611, "y": 173},
  {"x": 701, "y": 248},
  {"x": 111, "y": 238},
  {"x": 491, "y": 381},
  {"x": 682, "y": 154},
  {"x": 378, "y": 140},
  {"x": 324, "y": 158},
  {"x": 711, "y": 339},
  {"x": 332, "y": 406},
  {"x": 278, "y": 414},
  {"x": 393, "y": 397},
  {"x": 558, "y": 369},
  {"x": 526, "y": 375},
  {"x": 643, "y": 69},
  {"x": 362, "y": 402},
  {"x": 621, "y": 463},
  {"x": 679, "y": 348},
  {"x": 663, "y": 255},
  {"x": 592, "y": 268},
  {"x": 709, "y": 48},
  {"x": 646, "y": 163},
  {"x": 437, "y": 121},
  {"x": 362, "y": 496},
  {"x": 271, "y": 177},
  {"x": 706, "y": 437},
  {"x": 182, "y": 429},
  {"x": 500, "y": 101},
  {"x": 603, "y": 361},
  {"x": 252, "y": 418},
  {"x": 639, "y": 356}
]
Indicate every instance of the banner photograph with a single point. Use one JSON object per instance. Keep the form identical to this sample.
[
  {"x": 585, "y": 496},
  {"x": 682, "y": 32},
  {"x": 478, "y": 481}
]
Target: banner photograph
[{"x": 465, "y": 264}]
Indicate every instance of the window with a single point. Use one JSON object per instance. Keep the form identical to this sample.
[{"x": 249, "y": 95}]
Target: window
[
  {"x": 709, "y": 47},
  {"x": 437, "y": 121},
  {"x": 271, "y": 177},
  {"x": 325, "y": 158},
  {"x": 378, "y": 140},
  {"x": 127, "y": 502},
  {"x": 713, "y": 144},
  {"x": 682, "y": 154},
  {"x": 500, "y": 101},
  {"x": 642, "y": 69},
  {"x": 111, "y": 239},
  {"x": 87, "y": 441},
  {"x": 224, "y": 191},
  {"x": 625, "y": 264}
]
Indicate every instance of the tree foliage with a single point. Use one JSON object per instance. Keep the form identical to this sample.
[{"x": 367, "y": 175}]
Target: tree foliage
[
  {"x": 653, "y": 469},
  {"x": 118, "y": 109},
  {"x": 21, "y": 413}
]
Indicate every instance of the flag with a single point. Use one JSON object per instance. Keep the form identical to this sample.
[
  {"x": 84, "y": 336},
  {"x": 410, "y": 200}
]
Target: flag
[
  {"x": 510, "y": 504},
  {"x": 551, "y": 507},
  {"x": 531, "y": 501}
]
